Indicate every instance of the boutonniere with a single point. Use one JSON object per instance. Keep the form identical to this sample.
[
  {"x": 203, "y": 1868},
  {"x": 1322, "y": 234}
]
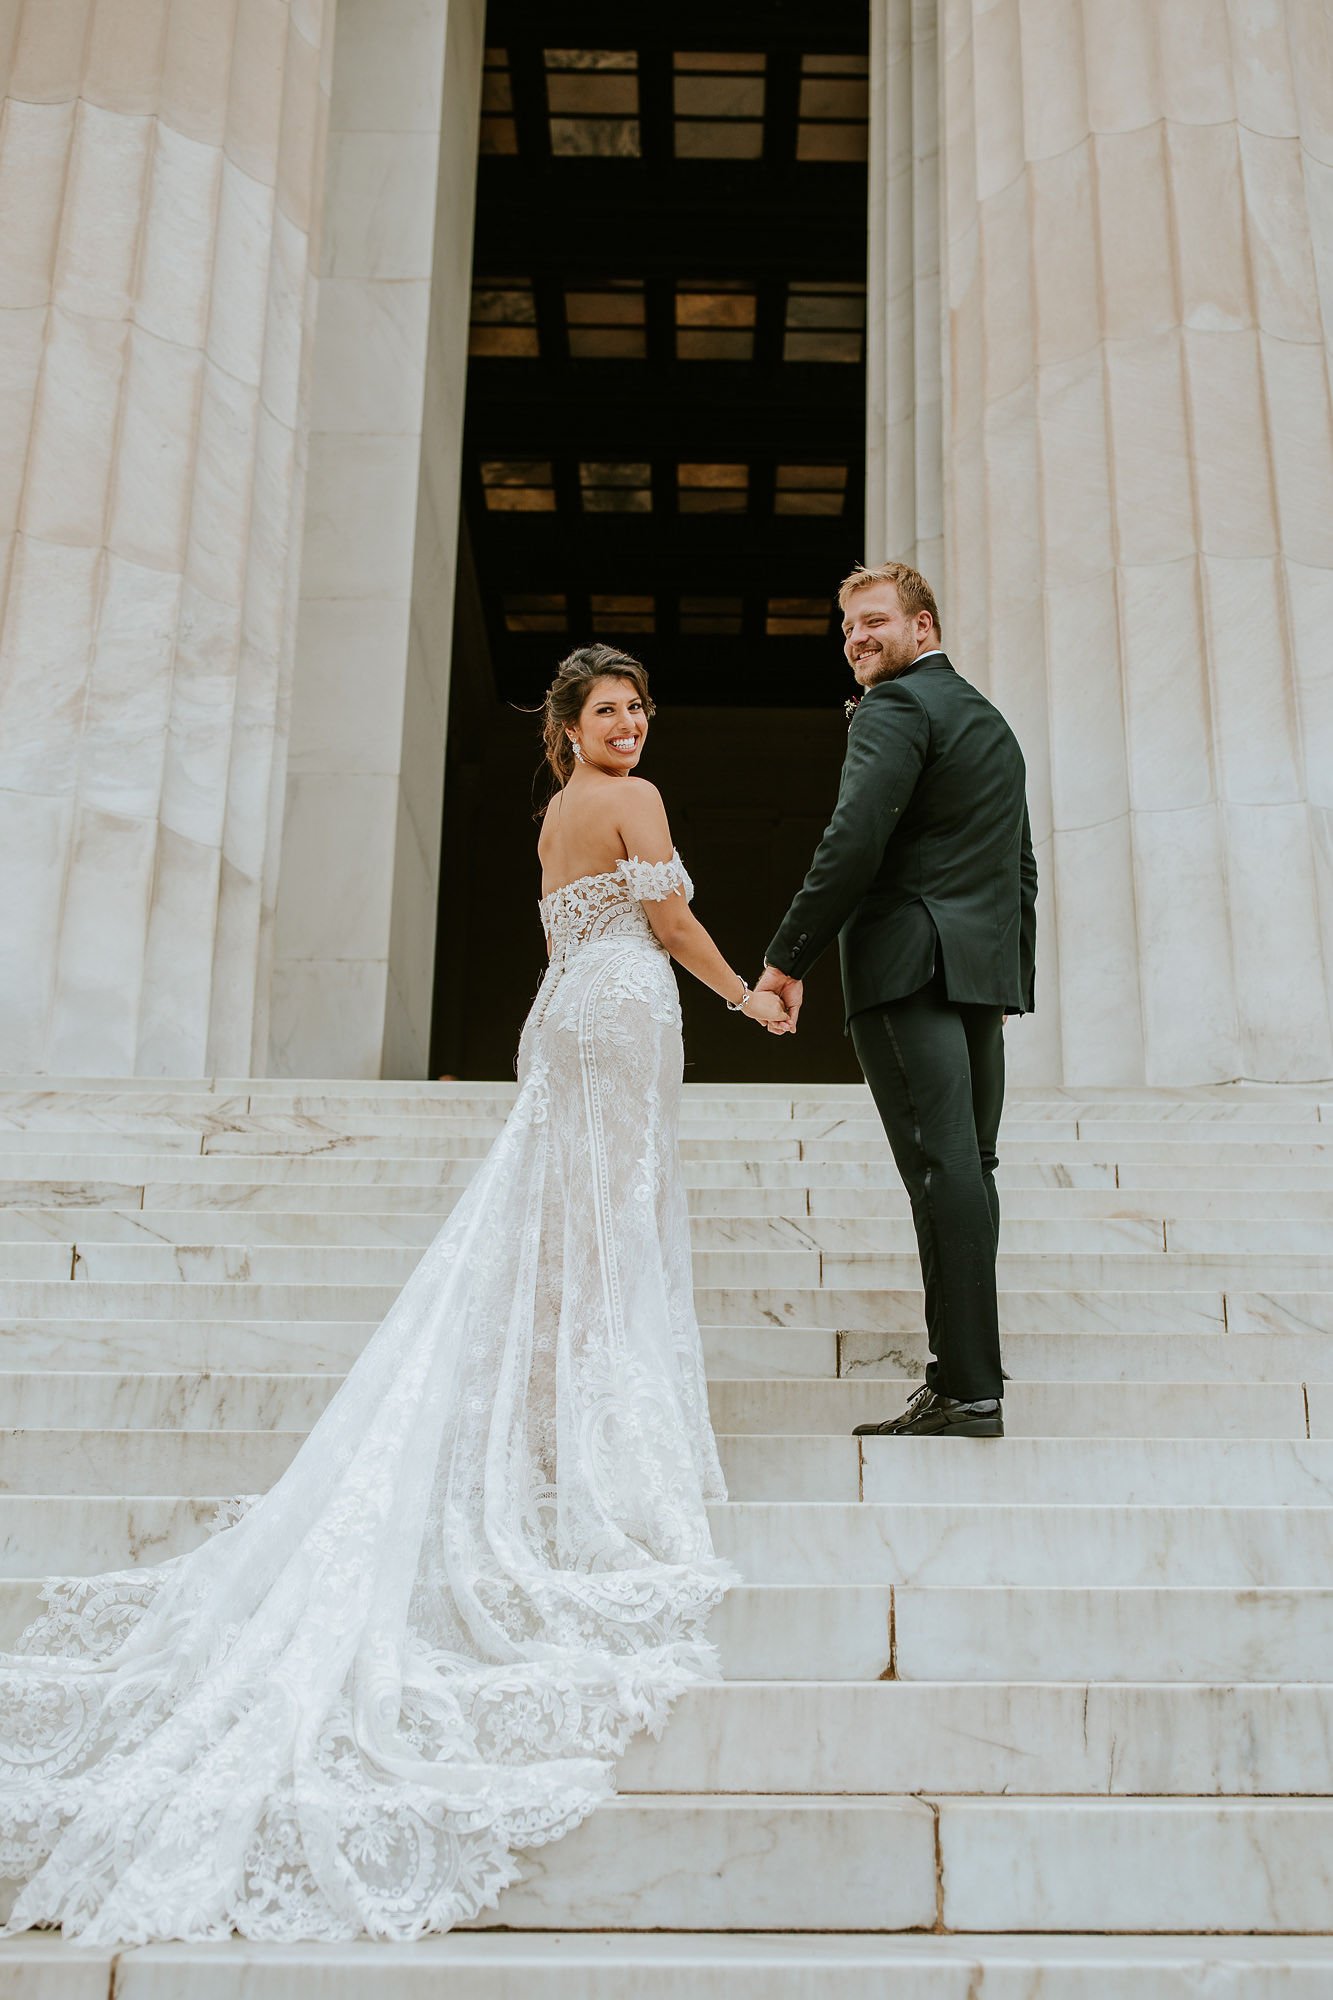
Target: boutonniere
[{"x": 850, "y": 706}]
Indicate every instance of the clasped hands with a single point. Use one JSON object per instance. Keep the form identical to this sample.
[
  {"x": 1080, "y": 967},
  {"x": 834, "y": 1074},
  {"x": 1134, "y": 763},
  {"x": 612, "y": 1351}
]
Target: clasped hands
[{"x": 788, "y": 992}]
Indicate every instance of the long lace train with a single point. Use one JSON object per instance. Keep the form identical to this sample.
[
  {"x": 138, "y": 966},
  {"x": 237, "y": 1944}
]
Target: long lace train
[{"x": 487, "y": 1567}]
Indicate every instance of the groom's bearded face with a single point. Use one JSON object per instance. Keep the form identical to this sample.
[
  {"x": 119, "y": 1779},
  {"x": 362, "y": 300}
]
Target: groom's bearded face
[{"x": 879, "y": 639}]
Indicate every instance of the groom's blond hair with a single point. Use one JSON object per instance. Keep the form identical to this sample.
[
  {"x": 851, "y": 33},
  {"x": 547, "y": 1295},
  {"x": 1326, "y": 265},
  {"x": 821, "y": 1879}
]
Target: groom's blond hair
[{"x": 914, "y": 593}]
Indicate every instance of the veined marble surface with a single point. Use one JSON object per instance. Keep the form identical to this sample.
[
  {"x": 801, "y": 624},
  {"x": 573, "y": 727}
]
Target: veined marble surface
[
  {"x": 1024, "y": 1544},
  {"x": 806, "y": 1542},
  {"x": 1116, "y": 1611},
  {"x": 1174, "y": 1634},
  {"x": 1127, "y": 1864},
  {"x": 594, "y": 1965},
  {"x": 757, "y": 1863},
  {"x": 768, "y": 1405}
]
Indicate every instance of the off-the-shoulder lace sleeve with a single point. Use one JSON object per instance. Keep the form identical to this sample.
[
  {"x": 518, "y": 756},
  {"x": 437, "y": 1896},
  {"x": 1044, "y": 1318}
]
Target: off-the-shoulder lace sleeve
[{"x": 654, "y": 881}]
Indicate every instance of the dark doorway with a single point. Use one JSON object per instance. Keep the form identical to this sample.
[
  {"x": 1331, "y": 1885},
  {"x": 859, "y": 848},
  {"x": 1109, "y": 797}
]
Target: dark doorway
[{"x": 664, "y": 447}]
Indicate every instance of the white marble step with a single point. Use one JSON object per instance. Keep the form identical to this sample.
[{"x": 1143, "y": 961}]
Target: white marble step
[
  {"x": 1029, "y": 1471},
  {"x": 330, "y": 1265},
  {"x": 834, "y": 1187},
  {"x": 375, "y": 1089},
  {"x": 615, "y": 1965},
  {"x": 775, "y": 1088},
  {"x": 713, "y": 1188},
  {"x": 701, "y": 1863},
  {"x": 712, "y": 1863},
  {"x": 421, "y": 1106},
  {"x": 941, "y": 1737},
  {"x": 783, "y": 1864},
  {"x": 987, "y": 1543},
  {"x": 113, "y": 1398},
  {"x": 112, "y": 1156},
  {"x": 1145, "y": 1864},
  {"x": 736, "y": 1265},
  {"x": 1045, "y": 1310},
  {"x": 265, "y": 1131},
  {"x": 779, "y": 1087},
  {"x": 1024, "y": 1863},
  {"x": 804, "y": 1633},
  {"x": 1097, "y": 1354},
  {"x": 818, "y": 1738},
  {"x": 774, "y": 1222},
  {"x": 760, "y": 1217},
  {"x": 866, "y": 1142},
  {"x": 1093, "y": 1471},
  {"x": 322, "y": 1230},
  {"x": 1113, "y": 1237},
  {"x": 1019, "y": 1271},
  {"x": 1002, "y": 1633},
  {"x": 344, "y": 1208},
  {"x": 874, "y": 1632},
  {"x": 1044, "y": 1409},
  {"x": 754, "y": 1118},
  {"x": 1157, "y": 1309},
  {"x": 1249, "y": 1201},
  {"x": 801, "y": 1542},
  {"x": 1173, "y": 1472}
]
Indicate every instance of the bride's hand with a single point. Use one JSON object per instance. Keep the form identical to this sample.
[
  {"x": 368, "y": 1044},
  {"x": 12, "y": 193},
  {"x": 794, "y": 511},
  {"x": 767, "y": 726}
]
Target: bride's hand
[{"x": 768, "y": 1010}]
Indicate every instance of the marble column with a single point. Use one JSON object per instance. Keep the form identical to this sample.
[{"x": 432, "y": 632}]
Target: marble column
[
  {"x": 160, "y": 162},
  {"x": 904, "y": 385},
  {"x": 1138, "y": 471},
  {"x": 354, "y": 964}
]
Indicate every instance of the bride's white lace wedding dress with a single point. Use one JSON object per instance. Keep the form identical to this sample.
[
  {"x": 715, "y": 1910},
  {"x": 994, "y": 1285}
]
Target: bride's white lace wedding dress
[{"x": 486, "y": 1568}]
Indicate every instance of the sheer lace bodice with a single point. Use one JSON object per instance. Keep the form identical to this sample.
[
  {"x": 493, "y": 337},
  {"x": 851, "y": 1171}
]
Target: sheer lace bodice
[
  {"x": 610, "y": 905},
  {"x": 488, "y": 1565}
]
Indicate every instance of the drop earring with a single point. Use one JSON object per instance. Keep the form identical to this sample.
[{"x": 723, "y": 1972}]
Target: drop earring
[{"x": 578, "y": 753}]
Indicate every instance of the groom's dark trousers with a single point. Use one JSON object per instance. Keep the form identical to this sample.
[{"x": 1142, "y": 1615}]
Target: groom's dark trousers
[
  {"x": 926, "y": 876},
  {"x": 936, "y": 1072}
]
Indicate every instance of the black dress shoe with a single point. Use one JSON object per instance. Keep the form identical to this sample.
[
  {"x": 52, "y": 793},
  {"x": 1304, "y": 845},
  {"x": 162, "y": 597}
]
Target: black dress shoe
[{"x": 929, "y": 1415}]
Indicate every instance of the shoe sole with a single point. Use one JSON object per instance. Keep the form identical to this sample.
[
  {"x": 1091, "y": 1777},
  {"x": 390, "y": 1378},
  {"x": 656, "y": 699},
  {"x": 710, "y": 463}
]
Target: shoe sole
[{"x": 975, "y": 1427}]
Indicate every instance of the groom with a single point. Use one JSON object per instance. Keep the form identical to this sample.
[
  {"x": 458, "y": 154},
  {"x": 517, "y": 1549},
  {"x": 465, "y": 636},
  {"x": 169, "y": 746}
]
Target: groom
[{"x": 926, "y": 876}]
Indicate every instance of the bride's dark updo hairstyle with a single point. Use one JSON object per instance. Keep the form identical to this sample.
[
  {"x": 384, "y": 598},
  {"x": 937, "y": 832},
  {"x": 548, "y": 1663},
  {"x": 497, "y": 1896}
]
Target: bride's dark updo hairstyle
[{"x": 569, "y": 691}]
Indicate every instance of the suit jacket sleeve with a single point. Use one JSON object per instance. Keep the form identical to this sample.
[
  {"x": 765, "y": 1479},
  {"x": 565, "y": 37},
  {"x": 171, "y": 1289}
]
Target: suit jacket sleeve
[
  {"x": 886, "y": 750},
  {"x": 1027, "y": 936}
]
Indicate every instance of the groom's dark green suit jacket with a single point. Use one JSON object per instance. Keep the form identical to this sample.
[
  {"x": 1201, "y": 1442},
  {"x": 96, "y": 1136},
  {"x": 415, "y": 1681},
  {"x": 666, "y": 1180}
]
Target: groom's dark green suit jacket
[{"x": 929, "y": 850}]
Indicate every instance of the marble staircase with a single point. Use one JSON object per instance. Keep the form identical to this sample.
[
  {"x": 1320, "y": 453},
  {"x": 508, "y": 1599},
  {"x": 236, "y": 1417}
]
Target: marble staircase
[{"x": 1045, "y": 1717}]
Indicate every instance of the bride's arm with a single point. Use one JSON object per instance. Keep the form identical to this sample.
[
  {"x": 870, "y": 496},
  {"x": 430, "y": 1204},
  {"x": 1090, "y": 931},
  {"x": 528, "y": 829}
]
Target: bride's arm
[{"x": 647, "y": 837}]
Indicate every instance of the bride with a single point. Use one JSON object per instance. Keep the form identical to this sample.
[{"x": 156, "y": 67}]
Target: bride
[{"x": 490, "y": 1563}]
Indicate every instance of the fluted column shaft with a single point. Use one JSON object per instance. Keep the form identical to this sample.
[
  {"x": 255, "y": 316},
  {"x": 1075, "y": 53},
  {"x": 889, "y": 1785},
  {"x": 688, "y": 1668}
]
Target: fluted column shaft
[
  {"x": 904, "y": 388},
  {"x": 159, "y": 165},
  {"x": 1138, "y": 469}
]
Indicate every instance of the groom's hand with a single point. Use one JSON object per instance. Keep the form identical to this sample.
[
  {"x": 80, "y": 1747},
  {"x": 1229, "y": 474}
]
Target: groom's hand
[{"x": 790, "y": 991}]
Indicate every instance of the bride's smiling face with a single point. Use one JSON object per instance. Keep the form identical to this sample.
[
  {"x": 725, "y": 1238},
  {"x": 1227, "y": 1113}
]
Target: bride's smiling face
[{"x": 612, "y": 726}]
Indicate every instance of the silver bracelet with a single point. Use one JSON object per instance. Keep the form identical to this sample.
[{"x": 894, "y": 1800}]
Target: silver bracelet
[{"x": 738, "y": 1006}]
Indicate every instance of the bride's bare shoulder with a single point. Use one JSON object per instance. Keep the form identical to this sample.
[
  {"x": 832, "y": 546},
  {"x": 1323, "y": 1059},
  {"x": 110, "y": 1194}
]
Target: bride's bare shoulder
[{"x": 640, "y": 805}]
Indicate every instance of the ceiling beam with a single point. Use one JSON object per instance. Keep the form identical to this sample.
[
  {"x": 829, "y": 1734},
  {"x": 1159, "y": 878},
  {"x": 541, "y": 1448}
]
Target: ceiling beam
[
  {"x": 724, "y": 218},
  {"x": 834, "y": 27}
]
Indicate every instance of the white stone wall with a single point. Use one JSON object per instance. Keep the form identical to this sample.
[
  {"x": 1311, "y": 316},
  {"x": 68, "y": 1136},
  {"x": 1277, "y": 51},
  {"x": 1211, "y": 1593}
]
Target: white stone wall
[
  {"x": 354, "y": 969},
  {"x": 1138, "y": 469},
  {"x": 160, "y": 163}
]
